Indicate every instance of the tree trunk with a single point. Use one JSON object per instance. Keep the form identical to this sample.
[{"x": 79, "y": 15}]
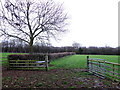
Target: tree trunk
[{"x": 31, "y": 46}]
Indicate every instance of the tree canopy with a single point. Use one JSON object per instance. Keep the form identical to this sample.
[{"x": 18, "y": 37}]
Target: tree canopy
[{"x": 31, "y": 21}]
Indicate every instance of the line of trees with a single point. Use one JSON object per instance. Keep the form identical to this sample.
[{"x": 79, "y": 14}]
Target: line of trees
[
  {"x": 99, "y": 50},
  {"x": 20, "y": 47}
]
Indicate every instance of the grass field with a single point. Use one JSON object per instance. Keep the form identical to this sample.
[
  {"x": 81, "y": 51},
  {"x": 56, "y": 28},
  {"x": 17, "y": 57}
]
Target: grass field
[
  {"x": 79, "y": 61},
  {"x": 74, "y": 61}
]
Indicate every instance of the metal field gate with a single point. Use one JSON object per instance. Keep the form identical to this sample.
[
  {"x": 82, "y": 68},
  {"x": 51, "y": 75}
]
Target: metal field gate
[
  {"x": 96, "y": 67},
  {"x": 103, "y": 69}
]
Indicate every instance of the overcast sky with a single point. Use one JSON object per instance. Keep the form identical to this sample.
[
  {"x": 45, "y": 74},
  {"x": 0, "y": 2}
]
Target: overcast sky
[{"x": 92, "y": 23}]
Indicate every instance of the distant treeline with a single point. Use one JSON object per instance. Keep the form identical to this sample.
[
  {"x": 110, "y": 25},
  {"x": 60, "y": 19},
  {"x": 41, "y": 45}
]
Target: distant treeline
[
  {"x": 43, "y": 48},
  {"x": 99, "y": 50}
]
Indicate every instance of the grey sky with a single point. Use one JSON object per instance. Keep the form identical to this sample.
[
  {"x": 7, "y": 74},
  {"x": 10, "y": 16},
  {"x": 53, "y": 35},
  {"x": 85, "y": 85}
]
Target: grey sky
[{"x": 92, "y": 23}]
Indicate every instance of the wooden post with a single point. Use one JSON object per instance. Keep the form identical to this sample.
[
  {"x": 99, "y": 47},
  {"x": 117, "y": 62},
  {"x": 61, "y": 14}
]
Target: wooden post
[
  {"x": 8, "y": 63},
  {"x": 118, "y": 70},
  {"x": 46, "y": 61},
  {"x": 104, "y": 68},
  {"x": 88, "y": 63},
  {"x": 113, "y": 69}
]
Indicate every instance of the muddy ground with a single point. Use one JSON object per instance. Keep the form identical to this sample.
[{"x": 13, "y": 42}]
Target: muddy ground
[{"x": 57, "y": 78}]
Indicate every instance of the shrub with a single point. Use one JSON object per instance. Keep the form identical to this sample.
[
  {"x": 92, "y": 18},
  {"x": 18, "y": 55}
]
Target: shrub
[
  {"x": 53, "y": 56},
  {"x": 27, "y": 57},
  {"x": 40, "y": 56}
]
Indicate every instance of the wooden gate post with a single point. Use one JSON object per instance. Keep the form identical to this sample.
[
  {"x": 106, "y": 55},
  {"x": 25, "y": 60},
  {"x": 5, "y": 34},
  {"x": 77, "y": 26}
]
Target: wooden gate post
[
  {"x": 46, "y": 61},
  {"x": 88, "y": 63}
]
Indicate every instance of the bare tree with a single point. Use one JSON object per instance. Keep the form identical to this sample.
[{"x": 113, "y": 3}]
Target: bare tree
[
  {"x": 76, "y": 45},
  {"x": 31, "y": 21}
]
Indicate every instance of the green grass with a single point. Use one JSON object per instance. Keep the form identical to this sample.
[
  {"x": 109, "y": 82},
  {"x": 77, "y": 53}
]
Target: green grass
[
  {"x": 109, "y": 58},
  {"x": 6, "y": 54},
  {"x": 74, "y": 61},
  {"x": 79, "y": 61}
]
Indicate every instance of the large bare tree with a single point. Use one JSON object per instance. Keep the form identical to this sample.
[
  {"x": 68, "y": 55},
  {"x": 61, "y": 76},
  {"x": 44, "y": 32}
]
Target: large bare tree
[{"x": 31, "y": 21}]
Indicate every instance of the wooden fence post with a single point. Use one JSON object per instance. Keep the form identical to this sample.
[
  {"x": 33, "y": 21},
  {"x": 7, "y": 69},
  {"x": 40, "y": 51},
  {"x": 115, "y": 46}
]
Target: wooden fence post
[
  {"x": 88, "y": 63},
  {"x": 46, "y": 61},
  {"x": 104, "y": 68},
  {"x": 8, "y": 63},
  {"x": 113, "y": 69}
]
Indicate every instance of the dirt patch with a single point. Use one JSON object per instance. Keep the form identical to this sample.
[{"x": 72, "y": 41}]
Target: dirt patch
[{"x": 57, "y": 78}]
